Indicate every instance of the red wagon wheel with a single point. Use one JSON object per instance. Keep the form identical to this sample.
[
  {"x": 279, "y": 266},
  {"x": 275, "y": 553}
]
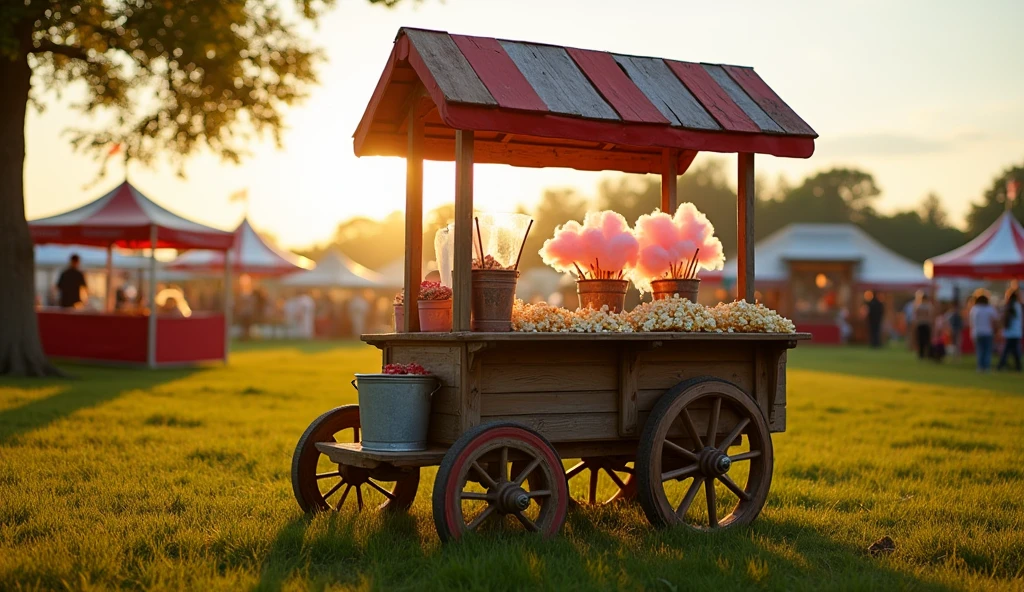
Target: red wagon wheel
[
  {"x": 601, "y": 472},
  {"x": 475, "y": 486},
  {"x": 320, "y": 484},
  {"x": 704, "y": 434}
]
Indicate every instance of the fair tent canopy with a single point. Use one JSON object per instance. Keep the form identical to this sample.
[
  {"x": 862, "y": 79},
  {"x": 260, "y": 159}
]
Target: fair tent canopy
[
  {"x": 997, "y": 253},
  {"x": 251, "y": 254},
  {"x": 335, "y": 270},
  {"x": 877, "y": 267}
]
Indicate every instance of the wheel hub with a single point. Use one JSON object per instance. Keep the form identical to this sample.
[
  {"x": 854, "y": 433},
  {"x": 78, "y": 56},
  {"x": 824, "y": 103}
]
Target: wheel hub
[
  {"x": 511, "y": 498},
  {"x": 713, "y": 462},
  {"x": 354, "y": 475}
]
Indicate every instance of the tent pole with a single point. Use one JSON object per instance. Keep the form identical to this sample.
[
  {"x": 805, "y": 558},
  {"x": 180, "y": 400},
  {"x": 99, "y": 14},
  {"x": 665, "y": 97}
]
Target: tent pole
[
  {"x": 228, "y": 294},
  {"x": 462, "y": 282},
  {"x": 151, "y": 334},
  {"x": 413, "y": 222},
  {"x": 669, "y": 179},
  {"x": 745, "y": 228},
  {"x": 108, "y": 304}
]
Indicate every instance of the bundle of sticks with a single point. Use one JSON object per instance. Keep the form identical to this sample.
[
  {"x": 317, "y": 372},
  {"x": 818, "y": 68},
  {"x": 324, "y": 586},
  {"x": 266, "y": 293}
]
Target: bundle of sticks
[
  {"x": 596, "y": 273},
  {"x": 488, "y": 262},
  {"x": 684, "y": 270}
]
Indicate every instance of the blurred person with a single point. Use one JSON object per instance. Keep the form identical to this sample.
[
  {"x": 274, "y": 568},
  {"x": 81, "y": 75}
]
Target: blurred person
[
  {"x": 983, "y": 320},
  {"x": 1013, "y": 327},
  {"x": 876, "y": 313},
  {"x": 71, "y": 284},
  {"x": 955, "y": 320},
  {"x": 923, "y": 317},
  {"x": 246, "y": 307},
  {"x": 300, "y": 315},
  {"x": 358, "y": 308},
  {"x": 908, "y": 323},
  {"x": 940, "y": 337}
]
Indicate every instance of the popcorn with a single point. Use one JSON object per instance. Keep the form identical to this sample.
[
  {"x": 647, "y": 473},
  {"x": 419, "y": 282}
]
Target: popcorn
[
  {"x": 672, "y": 314},
  {"x": 489, "y": 263},
  {"x": 744, "y": 317}
]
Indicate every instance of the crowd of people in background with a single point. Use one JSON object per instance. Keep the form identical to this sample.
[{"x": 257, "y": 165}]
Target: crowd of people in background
[{"x": 308, "y": 314}]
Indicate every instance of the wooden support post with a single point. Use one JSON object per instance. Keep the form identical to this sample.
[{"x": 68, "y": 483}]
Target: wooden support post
[
  {"x": 108, "y": 297},
  {"x": 463, "y": 265},
  {"x": 669, "y": 176},
  {"x": 745, "y": 228},
  {"x": 151, "y": 321},
  {"x": 413, "y": 221},
  {"x": 229, "y": 294}
]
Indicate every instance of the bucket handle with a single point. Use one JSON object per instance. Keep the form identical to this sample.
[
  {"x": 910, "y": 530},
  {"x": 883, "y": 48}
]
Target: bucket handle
[{"x": 354, "y": 385}]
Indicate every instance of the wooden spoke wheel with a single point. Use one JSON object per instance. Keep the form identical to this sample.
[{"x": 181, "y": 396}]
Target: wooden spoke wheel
[
  {"x": 601, "y": 472},
  {"x": 477, "y": 486},
  {"x": 320, "y": 484},
  {"x": 704, "y": 434}
]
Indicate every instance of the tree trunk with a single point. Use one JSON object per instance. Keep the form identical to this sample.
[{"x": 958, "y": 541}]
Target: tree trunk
[{"x": 21, "y": 352}]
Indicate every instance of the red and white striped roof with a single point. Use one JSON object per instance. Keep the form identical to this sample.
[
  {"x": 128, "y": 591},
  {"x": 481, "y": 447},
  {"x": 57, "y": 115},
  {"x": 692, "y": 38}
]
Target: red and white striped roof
[
  {"x": 542, "y": 105},
  {"x": 124, "y": 217},
  {"x": 250, "y": 254},
  {"x": 996, "y": 253}
]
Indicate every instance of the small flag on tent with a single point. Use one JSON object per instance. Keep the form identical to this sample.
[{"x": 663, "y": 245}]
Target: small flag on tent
[{"x": 1012, "y": 187}]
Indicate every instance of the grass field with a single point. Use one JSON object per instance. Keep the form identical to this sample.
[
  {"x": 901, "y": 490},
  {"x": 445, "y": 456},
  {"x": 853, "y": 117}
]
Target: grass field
[{"x": 180, "y": 479}]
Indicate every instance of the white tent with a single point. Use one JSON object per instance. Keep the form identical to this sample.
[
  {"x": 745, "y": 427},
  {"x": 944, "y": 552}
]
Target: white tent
[
  {"x": 251, "y": 254},
  {"x": 876, "y": 267},
  {"x": 57, "y": 256},
  {"x": 335, "y": 270}
]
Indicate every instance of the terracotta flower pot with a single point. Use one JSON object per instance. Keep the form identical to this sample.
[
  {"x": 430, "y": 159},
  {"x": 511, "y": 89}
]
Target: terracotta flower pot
[
  {"x": 435, "y": 316},
  {"x": 598, "y": 293},
  {"x": 665, "y": 289},
  {"x": 494, "y": 291},
  {"x": 399, "y": 319}
]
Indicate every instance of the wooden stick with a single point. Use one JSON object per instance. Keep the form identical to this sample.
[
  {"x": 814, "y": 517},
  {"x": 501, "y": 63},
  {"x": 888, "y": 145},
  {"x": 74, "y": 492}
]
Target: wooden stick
[
  {"x": 516, "y": 266},
  {"x": 578, "y": 270},
  {"x": 480, "y": 238},
  {"x": 692, "y": 268}
]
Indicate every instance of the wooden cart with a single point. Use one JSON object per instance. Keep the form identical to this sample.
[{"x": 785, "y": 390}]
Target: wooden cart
[{"x": 659, "y": 416}]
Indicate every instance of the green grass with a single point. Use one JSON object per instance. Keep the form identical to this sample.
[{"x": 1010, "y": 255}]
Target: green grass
[{"x": 180, "y": 479}]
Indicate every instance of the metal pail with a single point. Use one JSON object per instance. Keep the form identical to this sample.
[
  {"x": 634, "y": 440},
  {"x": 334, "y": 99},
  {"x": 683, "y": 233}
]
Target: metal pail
[
  {"x": 666, "y": 289},
  {"x": 394, "y": 410}
]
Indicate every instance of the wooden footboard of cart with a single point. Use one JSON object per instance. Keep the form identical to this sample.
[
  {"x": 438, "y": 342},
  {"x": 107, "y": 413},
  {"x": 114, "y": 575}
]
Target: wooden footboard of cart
[{"x": 586, "y": 393}]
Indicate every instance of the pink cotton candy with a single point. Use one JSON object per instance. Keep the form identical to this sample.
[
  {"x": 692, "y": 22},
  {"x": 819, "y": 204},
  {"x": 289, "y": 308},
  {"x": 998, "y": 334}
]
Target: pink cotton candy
[
  {"x": 604, "y": 241},
  {"x": 667, "y": 241}
]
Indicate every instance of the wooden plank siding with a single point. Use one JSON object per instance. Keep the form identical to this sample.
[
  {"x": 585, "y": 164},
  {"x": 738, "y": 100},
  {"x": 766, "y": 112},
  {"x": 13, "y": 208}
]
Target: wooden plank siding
[
  {"x": 713, "y": 97},
  {"x": 558, "y": 80},
  {"x": 499, "y": 73},
  {"x": 771, "y": 103},
  {"x": 668, "y": 94},
  {"x": 450, "y": 70},
  {"x": 613, "y": 84}
]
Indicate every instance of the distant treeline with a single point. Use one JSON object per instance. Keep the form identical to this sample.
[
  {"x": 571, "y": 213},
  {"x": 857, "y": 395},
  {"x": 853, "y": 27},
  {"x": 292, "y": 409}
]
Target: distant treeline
[{"x": 838, "y": 195}]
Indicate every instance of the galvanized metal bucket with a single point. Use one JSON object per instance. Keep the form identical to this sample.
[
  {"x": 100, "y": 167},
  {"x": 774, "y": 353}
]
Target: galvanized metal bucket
[{"x": 394, "y": 410}]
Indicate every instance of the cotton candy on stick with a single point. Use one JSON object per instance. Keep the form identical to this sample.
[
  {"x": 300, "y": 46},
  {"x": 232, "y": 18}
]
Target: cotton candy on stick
[
  {"x": 604, "y": 243},
  {"x": 669, "y": 243}
]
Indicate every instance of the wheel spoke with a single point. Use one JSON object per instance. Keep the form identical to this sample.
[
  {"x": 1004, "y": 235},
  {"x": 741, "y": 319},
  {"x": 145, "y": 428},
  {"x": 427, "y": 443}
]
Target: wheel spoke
[
  {"x": 736, "y": 431},
  {"x": 355, "y": 434},
  {"x": 333, "y": 489},
  {"x": 526, "y": 472},
  {"x": 320, "y": 476},
  {"x": 709, "y": 490},
  {"x": 344, "y": 495},
  {"x": 504, "y": 465},
  {"x": 538, "y": 493},
  {"x": 484, "y": 474},
  {"x": 473, "y": 495},
  {"x": 716, "y": 410},
  {"x": 728, "y": 482},
  {"x": 359, "y": 496},
  {"x": 593, "y": 485},
  {"x": 688, "y": 423},
  {"x": 575, "y": 470},
  {"x": 481, "y": 517},
  {"x": 679, "y": 450},
  {"x": 688, "y": 498},
  {"x": 745, "y": 456},
  {"x": 677, "y": 473},
  {"x": 615, "y": 478},
  {"x": 383, "y": 491},
  {"x": 529, "y": 524}
]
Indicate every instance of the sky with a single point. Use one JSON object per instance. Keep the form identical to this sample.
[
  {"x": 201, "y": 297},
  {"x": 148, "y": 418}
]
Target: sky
[{"x": 926, "y": 95}]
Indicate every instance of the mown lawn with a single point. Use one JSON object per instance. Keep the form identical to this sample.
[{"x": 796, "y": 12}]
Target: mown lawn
[{"x": 180, "y": 479}]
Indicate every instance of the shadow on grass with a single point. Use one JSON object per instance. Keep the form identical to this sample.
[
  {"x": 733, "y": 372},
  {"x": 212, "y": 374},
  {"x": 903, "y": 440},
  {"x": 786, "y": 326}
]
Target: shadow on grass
[
  {"x": 90, "y": 387},
  {"x": 897, "y": 363},
  {"x": 606, "y": 554}
]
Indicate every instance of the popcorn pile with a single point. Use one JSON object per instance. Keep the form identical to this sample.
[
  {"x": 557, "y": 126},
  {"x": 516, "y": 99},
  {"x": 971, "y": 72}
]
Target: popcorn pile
[
  {"x": 489, "y": 263},
  {"x": 743, "y": 317},
  {"x": 673, "y": 314}
]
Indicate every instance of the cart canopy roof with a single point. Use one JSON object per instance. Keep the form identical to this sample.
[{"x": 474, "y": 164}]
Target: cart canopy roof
[
  {"x": 540, "y": 105},
  {"x": 124, "y": 217}
]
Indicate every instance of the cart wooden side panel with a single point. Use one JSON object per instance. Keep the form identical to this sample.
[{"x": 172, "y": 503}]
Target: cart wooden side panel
[{"x": 584, "y": 391}]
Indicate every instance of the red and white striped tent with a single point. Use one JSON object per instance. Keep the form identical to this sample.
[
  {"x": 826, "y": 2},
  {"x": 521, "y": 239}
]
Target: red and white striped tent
[
  {"x": 251, "y": 255},
  {"x": 126, "y": 218},
  {"x": 997, "y": 253}
]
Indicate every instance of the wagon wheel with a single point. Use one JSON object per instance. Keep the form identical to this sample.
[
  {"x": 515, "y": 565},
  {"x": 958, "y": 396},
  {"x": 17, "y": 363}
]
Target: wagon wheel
[
  {"x": 694, "y": 440},
  {"x": 613, "y": 472},
  {"x": 474, "y": 485},
  {"x": 320, "y": 484}
]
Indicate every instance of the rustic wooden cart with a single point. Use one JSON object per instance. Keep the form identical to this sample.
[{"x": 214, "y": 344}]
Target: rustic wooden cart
[{"x": 657, "y": 416}]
